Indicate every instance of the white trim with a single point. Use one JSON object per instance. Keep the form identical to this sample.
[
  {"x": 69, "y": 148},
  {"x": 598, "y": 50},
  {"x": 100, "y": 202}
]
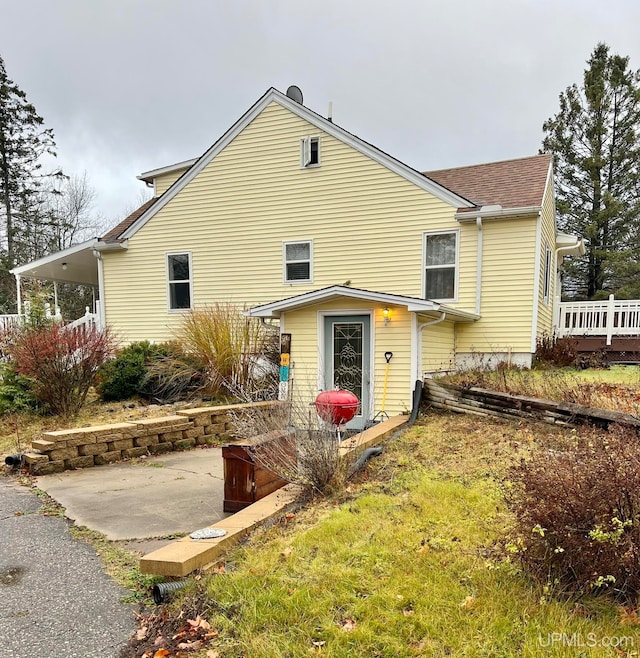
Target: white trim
[
  {"x": 456, "y": 282},
  {"x": 305, "y": 152},
  {"x": 154, "y": 173},
  {"x": 553, "y": 193},
  {"x": 546, "y": 273},
  {"x": 170, "y": 281},
  {"x": 274, "y": 96},
  {"x": 294, "y": 282},
  {"x": 536, "y": 285},
  {"x": 273, "y": 309},
  {"x": 101, "y": 307}
]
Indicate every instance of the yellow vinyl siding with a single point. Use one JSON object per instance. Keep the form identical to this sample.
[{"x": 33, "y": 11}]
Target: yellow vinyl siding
[
  {"x": 163, "y": 182},
  {"x": 548, "y": 231},
  {"x": 438, "y": 346},
  {"x": 507, "y": 290},
  {"x": 365, "y": 221},
  {"x": 308, "y": 360}
]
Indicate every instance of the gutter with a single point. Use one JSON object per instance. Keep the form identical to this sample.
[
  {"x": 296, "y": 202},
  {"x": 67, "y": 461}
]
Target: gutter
[
  {"x": 497, "y": 212},
  {"x": 110, "y": 246}
]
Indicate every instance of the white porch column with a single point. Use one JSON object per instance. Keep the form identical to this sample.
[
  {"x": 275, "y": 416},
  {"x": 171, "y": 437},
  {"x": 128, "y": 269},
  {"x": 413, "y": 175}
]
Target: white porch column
[
  {"x": 101, "y": 314},
  {"x": 18, "y": 294}
]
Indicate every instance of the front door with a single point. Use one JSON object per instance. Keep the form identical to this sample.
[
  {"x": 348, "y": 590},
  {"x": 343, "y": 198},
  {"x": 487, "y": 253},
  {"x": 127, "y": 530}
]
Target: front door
[{"x": 347, "y": 358}]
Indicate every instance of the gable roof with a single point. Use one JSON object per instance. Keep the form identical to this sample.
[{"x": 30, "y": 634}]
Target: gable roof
[
  {"x": 511, "y": 184},
  {"x": 414, "y": 304},
  {"x": 271, "y": 96}
]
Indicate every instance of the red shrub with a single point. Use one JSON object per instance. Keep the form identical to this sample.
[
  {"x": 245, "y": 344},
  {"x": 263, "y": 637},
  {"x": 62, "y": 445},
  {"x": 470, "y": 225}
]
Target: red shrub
[{"x": 61, "y": 364}]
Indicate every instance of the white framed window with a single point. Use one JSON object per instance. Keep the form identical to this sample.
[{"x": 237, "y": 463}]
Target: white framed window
[
  {"x": 310, "y": 152},
  {"x": 297, "y": 261},
  {"x": 546, "y": 283},
  {"x": 441, "y": 265},
  {"x": 179, "y": 280}
]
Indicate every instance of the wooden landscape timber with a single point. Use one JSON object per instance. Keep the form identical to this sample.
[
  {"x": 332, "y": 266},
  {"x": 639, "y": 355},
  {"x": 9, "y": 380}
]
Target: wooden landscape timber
[{"x": 474, "y": 400}]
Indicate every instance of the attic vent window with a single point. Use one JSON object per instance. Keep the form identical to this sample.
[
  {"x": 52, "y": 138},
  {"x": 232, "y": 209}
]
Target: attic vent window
[
  {"x": 310, "y": 155},
  {"x": 297, "y": 262}
]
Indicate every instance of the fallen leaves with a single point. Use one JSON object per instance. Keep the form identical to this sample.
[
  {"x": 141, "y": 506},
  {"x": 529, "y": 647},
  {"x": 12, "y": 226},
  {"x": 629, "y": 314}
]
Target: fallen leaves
[
  {"x": 348, "y": 625},
  {"x": 160, "y": 637}
]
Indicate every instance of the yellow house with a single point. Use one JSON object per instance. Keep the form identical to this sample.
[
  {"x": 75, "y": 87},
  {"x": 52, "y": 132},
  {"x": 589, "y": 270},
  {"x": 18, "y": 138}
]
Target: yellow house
[{"x": 380, "y": 274}]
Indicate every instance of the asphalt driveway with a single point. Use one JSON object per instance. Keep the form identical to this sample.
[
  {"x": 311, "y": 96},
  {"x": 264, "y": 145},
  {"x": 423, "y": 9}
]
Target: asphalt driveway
[{"x": 55, "y": 599}]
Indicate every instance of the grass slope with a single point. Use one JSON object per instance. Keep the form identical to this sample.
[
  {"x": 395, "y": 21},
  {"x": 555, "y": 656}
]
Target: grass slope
[{"x": 406, "y": 563}]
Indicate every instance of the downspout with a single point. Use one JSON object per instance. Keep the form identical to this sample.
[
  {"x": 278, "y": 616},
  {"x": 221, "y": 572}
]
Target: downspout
[
  {"x": 479, "y": 266},
  {"x": 422, "y": 326},
  {"x": 559, "y": 253},
  {"x": 417, "y": 392}
]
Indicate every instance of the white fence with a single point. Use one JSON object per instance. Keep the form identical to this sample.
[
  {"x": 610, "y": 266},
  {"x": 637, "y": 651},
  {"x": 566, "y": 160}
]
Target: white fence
[{"x": 606, "y": 318}]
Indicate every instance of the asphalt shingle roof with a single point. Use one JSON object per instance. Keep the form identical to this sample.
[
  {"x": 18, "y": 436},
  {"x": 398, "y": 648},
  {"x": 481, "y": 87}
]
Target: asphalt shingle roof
[{"x": 516, "y": 183}]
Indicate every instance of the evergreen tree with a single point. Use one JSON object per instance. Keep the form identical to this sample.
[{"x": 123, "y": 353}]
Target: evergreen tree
[
  {"x": 24, "y": 142},
  {"x": 596, "y": 146}
]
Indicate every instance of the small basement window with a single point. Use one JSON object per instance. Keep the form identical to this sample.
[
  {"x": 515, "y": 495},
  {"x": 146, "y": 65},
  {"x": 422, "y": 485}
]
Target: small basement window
[
  {"x": 310, "y": 152},
  {"x": 179, "y": 281},
  {"x": 297, "y": 261}
]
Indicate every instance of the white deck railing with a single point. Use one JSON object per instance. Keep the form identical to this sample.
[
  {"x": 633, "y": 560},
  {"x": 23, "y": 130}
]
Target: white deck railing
[{"x": 606, "y": 318}]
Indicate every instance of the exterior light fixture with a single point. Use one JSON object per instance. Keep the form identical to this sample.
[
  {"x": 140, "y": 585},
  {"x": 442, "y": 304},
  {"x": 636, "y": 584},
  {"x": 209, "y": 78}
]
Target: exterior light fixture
[
  {"x": 387, "y": 314},
  {"x": 64, "y": 266}
]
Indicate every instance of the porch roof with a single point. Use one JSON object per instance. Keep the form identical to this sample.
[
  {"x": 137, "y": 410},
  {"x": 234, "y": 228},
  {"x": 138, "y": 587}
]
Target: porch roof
[
  {"x": 76, "y": 265},
  {"x": 413, "y": 304}
]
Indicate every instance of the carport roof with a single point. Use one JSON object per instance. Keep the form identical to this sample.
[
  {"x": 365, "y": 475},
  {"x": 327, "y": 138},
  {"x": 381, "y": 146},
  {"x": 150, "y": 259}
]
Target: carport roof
[
  {"x": 413, "y": 304},
  {"x": 76, "y": 265}
]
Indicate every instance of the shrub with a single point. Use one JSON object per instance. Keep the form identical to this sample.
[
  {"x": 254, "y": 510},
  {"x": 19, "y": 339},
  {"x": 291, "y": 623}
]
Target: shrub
[
  {"x": 555, "y": 351},
  {"x": 60, "y": 364},
  {"x": 578, "y": 514},
  {"x": 172, "y": 377},
  {"x": 122, "y": 378},
  {"x": 237, "y": 352},
  {"x": 15, "y": 391}
]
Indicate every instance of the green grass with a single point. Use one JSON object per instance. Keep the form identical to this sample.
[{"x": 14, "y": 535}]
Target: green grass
[
  {"x": 406, "y": 563},
  {"x": 120, "y": 564}
]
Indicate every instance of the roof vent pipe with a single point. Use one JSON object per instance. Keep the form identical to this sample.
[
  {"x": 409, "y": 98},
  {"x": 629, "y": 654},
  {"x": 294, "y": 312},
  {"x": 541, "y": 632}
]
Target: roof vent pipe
[{"x": 330, "y": 113}]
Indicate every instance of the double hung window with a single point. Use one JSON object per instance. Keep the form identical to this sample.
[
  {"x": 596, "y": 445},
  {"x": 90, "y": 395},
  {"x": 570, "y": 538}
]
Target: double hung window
[
  {"x": 179, "y": 280},
  {"x": 297, "y": 258},
  {"x": 440, "y": 259}
]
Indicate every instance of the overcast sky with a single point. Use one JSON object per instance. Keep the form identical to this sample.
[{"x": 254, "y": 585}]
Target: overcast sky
[{"x": 132, "y": 85}]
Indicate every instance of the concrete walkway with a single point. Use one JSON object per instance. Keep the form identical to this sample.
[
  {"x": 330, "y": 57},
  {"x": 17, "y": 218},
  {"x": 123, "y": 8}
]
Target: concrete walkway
[
  {"x": 158, "y": 497},
  {"x": 55, "y": 599}
]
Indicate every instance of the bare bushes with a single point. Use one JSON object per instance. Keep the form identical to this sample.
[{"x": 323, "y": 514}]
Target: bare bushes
[
  {"x": 578, "y": 514},
  {"x": 554, "y": 351},
  {"x": 306, "y": 451},
  {"x": 237, "y": 353}
]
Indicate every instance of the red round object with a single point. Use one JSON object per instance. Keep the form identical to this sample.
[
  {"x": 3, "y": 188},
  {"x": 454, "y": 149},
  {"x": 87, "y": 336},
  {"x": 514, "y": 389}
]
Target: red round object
[{"x": 337, "y": 407}]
